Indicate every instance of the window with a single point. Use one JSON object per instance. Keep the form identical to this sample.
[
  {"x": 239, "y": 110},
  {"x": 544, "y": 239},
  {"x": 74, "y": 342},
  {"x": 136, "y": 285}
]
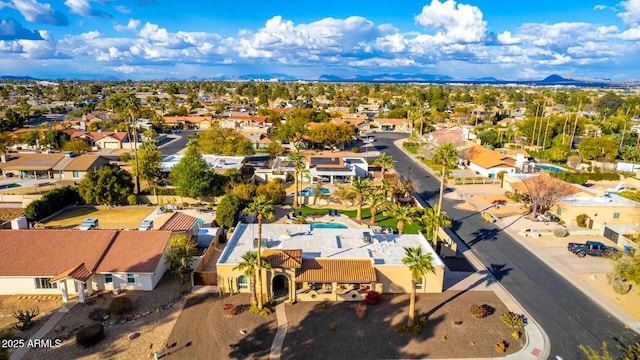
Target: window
[
  {"x": 108, "y": 278},
  {"x": 420, "y": 284},
  {"x": 131, "y": 278},
  {"x": 43, "y": 283},
  {"x": 61, "y": 174},
  {"x": 76, "y": 174},
  {"x": 243, "y": 282},
  {"x": 616, "y": 215}
]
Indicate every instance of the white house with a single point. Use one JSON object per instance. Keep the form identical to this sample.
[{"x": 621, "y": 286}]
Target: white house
[{"x": 52, "y": 261}]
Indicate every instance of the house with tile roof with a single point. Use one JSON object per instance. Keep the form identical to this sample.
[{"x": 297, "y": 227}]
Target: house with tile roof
[
  {"x": 30, "y": 166},
  {"x": 77, "y": 167},
  {"x": 400, "y": 125},
  {"x": 487, "y": 162},
  {"x": 66, "y": 262},
  {"x": 315, "y": 264}
]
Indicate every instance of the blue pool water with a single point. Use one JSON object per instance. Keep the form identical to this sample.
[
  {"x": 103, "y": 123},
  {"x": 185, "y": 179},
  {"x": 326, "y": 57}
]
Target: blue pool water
[
  {"x": 308, "y": 191},
  {"x": 324, "y": 225},
  {"x": 9, "y": 186},
  {"x": 550, "y": 168}
]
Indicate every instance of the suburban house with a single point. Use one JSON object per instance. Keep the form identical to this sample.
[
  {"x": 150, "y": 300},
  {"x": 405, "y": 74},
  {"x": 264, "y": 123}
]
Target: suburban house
[
  {"x": 178, "y": 222},
  {"x": 488, "y": 163},
  {"x": 460, "y": 137},
  {"x": 335, "y": 169},
  {"x": 393, "y": 124},
  {"x": 258, "y": 140},
  {"x": 219, "y": 164},
  {"x": 30, "y": 166},
  {"x": 76, "y": 167},
  {"x": 245, "y": 122},
  {"x": 189, "y": 121},
  {"x": 601, "y": 207},
  {"x": 310, "y": 264},
  {"x": 56, "y": 261},
  {"x": 361, "y": 125},
  {"x": 106, "y": 139}
]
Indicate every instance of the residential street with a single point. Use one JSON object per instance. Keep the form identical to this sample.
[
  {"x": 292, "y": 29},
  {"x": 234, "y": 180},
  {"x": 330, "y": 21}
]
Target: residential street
[{"x": 564, "y": 312}]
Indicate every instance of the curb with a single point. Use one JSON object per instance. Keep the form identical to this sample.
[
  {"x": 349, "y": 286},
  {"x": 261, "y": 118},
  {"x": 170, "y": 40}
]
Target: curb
[{"x": 537, "y": 343}]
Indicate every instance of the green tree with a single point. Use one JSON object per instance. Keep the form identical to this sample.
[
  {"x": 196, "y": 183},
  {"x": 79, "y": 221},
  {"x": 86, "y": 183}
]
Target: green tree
[
  {"x": 191, "y": 175},
  {"x": 275, "y": 149},
  {"x": 403, "y": 214},
  {"x": 488, "y": 137},
  {"x": 228, "y": 211},
  {"x": 13, "y": 119},
  {"x": 6, "y": 140},
  {"x": 107, "y": 185},
  {"x": 297, "y": 160},
  {"x": 31, "y": 137},
  {"x": 376, "y": 201},
  {"x": 148, "y": 164},
  {"x": 385, "y": 162},
  {"x": 273, "y": 190},
  {"x": 179, "y": 256},
  {"x": 419, "y": 265},
  {"x": 77, "y": 146},
  {"x": 262, "y": 208},
  {"x": 224, "y": 141},
  {"x": 54, "y": 139},
  {"x": 445, "y": 155},
  {"x": 596, "y": 148},
  {"x": 248, "y": 265},
  {"x": 433, "y": 219},
  {"x": 360, "y": 187}
]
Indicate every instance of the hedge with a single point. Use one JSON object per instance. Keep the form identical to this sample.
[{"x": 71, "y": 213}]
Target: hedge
[{"x": 51, "y": 202}]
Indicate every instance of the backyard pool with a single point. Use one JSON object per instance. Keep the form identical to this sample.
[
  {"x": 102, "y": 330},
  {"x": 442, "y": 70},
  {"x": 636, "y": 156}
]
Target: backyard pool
[
  {"x": 9, "y": 186},
  {"x": 324, "y": 225},
  {"x": 308, "y": 191},
  {"x": 550, "y": 168}
]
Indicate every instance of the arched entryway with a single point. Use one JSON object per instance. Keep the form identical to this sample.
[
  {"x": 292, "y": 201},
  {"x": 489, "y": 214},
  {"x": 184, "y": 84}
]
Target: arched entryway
[{"x": 280, "y": 287}]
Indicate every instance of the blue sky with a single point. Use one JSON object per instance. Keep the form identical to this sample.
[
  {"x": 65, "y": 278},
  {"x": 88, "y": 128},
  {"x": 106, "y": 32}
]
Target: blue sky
[{"x": 156, "y": 39}]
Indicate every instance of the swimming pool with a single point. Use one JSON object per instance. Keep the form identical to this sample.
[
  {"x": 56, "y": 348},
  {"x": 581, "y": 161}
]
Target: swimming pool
[
  {"x": 324, "y": 225},
  {"x": 9, "y": 186},
  {"x": 308, "y": 191},
  {"x": 550, "y": 168}
]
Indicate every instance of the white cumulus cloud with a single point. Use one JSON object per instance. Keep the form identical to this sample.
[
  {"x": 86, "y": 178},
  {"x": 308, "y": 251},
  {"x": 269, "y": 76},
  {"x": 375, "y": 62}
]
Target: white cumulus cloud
[
  {"x": 36, "y": 12},
  {"x": 83, "y": 8},
  {"x": 453, "y": 22}
]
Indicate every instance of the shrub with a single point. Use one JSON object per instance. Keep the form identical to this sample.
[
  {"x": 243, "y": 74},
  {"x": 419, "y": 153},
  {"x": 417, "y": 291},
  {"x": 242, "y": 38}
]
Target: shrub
[
  {"x": 502, "y": 346},
  {"x": 560, "y": 231},
  {"x": 125, "y": 157},
  {"x": 355, "y": 149},
  {"x": 361, "y": 311},
  {"x": 90, "y": 335},
  {"x": 25, "y": 318},
  {"x": 51, "y": 202},
  {"x": 264, "y": 311},
  {"x": 321, "y": 306},
  {"x": 444, "y": 338},
  {"x": 120, "y": 306},
  {"x": 516, "y": 335},
  {"x": 478, "y": 311},
  {"x": 512, "y": 320},
  {"x": 620, "y": 285},
  {"x": 581, "y": 220},
  {"x": 332, "y": 327},
  {"x": 419, "y": 322},
  {"x": 372, "y": 297},
  {"x": 132, "y": 199},
  {"x": 230, "y": 309},
  {"x": 459, "y": 322},
  {"x": 99, "y": 314}
]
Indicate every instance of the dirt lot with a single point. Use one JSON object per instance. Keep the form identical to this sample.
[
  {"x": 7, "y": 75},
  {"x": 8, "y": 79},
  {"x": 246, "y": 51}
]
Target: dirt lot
[
  {"x": 160, "y": 307},
  {"x": 122, "y": 217}
]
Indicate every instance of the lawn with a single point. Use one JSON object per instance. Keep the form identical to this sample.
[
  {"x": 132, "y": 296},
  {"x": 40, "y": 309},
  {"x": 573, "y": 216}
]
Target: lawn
[
  {"x": 381, "y": 219},
  {"x": 115, "y": 218}
]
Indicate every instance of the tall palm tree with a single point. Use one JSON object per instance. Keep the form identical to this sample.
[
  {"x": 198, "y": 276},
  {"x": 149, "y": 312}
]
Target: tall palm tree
[
  {"x": 385, "y": 162},
  {"x": 296, "y": 158},
  {"x": 317, "y": 194},
  {"x": 376, "y": 200},
  {"x": 404, "y": 214},
  {"x": 262, "y": 208},
  {"x": 248, "y": 266},
  {"x": 360, "y": 187},
  {"x": 419, "y": 265},
  {"x": 433, "y": 221},
  {"x": 131, "y": 104},
  {"x": 389, "y": 189},
  {"x": 445, "y": 155}
]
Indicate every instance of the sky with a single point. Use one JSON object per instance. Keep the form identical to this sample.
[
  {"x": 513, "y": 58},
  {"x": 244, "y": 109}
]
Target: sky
[{"x": 466, "y": 39}]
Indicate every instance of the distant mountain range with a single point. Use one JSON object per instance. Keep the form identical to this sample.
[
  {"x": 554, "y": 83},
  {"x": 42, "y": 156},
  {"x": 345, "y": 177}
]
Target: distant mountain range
[{"x": 384, "y": 78}]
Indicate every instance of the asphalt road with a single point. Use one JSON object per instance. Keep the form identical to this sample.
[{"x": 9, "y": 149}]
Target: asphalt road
[
  {"x": 172, "y": 147},
  {"x": 567, "y": 316}
]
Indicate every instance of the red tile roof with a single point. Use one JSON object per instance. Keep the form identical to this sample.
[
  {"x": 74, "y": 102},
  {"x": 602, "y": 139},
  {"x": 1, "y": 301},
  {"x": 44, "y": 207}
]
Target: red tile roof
[
  {"x": 135, "y": 251},
  {"x": 49, "y": 252},
  {"x": 176, "y": 221},
  {"x": 78, "y": 272},
  {"x": 283, "y": 258},
  {"x": 338, "y": 270}
]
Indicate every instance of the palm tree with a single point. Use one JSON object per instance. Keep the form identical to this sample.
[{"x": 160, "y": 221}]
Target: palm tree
[
  {"x": 296, "y": 158},
  {"x": 360, "y": 187},
  {"x": 385, "y": 162},
  {"x": 446, "y": 155},
  {"x": 317, "y": 194},
  {"x": 376, "y": 200},
  {"x": 419, "y": 265},
  {"x": 404, "y": 214},
  {"x": 433, "y": 221},
  {"x": 389, "y": 189},
  {"x": 248, "y": 266},
  {"x": 262, "y": 208}
]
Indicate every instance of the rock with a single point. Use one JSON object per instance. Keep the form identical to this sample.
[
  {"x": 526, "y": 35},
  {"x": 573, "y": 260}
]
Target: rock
[
  {"x": 105, "y": 317},
  {"x": 133, "y": 335},
  {"x": 59, "y": 328}
]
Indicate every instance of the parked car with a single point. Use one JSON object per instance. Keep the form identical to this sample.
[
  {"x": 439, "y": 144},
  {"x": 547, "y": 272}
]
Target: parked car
[{"x": 593, "y": 248}]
